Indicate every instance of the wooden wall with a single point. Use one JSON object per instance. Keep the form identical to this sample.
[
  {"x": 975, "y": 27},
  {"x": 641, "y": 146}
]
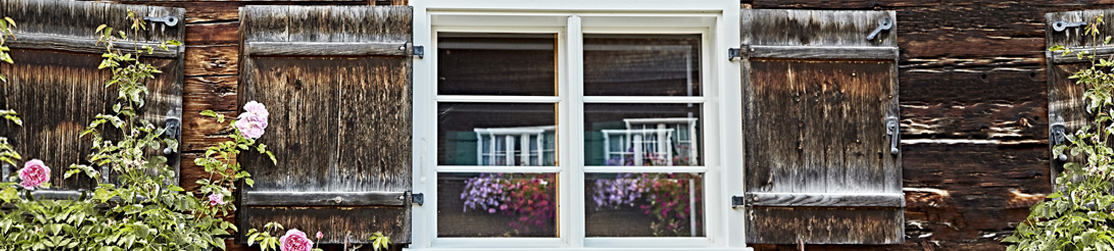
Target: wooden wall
[{"x": 973, "y": 102}]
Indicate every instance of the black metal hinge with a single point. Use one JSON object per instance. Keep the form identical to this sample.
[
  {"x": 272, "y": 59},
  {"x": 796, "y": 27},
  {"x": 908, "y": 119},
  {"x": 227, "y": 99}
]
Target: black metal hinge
[
  {"x": 738, "y": 201},
  {"x": 419, "y": 51},
  {"x": 417, "y": 198},
  {"x": 734, "y": 54}
]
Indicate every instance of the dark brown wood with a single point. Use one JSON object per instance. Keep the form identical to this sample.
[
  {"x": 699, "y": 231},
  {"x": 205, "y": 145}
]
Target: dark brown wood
[
  {"x": 814, "y": 52},
  {"x": 252, "y": 198},
  {"x": 331, "y": 141},
  {"x": 326, "y": 49},
  {"x": 824, "y": 200},
  {"x": 212, "y": 60},
  {"x": 815, "y": 129},
  {"x": 787, "y": 225}
]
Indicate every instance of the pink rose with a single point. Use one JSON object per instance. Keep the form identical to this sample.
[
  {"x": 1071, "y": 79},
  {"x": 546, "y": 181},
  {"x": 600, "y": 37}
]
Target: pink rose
[
  {"x": 216, "y": 199},
  {"x": 319, "y": 235},
  {"x": 253, "y": 122},
  {"x": 251, "y": 130},
  {"x": 34, "y": 174},
  {"x": 295, "y": 240},
  {"x": 256, "y": 112}
]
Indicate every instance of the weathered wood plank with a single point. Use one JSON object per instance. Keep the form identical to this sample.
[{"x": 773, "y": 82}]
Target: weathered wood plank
[
  {"x": 805, "y": 102},
  {"x": 994, "y": 103},
  {"x": 824, "y": 200},
  {"x": 200, "y": 132},
  {"x": 212, "y": 60},
  {"x": 81, "y": 45},
  {"x": 784, "y": 225},
  {"x": 336, "y": 222},
  {"x": 816, "y": 52},
  {"x": 811, "y": 28},
  {"x": 219, "y": 33},
  {"x": 1098, "y": 53},
  {"x": 287, "y": 198},
  {"x": 326, "y": 49}
]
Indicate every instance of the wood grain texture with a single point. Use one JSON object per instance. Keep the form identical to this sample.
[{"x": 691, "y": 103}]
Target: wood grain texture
[
  {"x": 342, "y": 124},
  {"x": 325, "y": 49},
  {"x": 212, "y": 60},
  {"x": 814, "y": 52},
  {"x": 824, "y": 200},
  {"x": 287, "y": 198},
  {"x": 54, "y": 83},
  {"x": 785, "y": 225},
  {"x": 337, "y": 222},
  {"x": 812, "y": 28}
]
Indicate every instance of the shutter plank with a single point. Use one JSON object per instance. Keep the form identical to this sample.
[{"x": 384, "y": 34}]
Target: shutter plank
[
  {"x": 55, "y": 84},
  {"x": 817, "y": 95},
  {"x": 784, "y": 225},
  {"x": 339, "y": 92}
]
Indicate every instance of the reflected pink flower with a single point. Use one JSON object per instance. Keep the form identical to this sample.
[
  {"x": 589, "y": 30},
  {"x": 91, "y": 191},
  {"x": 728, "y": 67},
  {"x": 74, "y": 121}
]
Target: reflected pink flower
[
  {"x": 295, "y": 240},
  {"x": 34, "y": 174}
]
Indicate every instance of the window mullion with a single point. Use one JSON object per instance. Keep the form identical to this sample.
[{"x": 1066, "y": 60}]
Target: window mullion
[{"x": 574, "y": 224}]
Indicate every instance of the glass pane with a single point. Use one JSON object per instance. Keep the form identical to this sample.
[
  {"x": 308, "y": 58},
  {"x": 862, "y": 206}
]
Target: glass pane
[
  {"x": 642, "y": 65},
  {"x": 496, "y": 205},
  {"x": 496, "y": 134},
  {"x": 496, "y": 64},
  {"x": 644, "y": 204},
  {"x": 642, "y": 135}
]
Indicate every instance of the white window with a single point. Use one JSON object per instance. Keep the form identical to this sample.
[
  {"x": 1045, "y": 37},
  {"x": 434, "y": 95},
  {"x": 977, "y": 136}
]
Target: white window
[{"x": 577, "y": 125}]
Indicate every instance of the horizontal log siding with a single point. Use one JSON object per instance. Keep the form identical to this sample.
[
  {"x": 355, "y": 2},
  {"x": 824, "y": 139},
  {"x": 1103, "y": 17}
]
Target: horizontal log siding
[{"x": 973, "y": 102}]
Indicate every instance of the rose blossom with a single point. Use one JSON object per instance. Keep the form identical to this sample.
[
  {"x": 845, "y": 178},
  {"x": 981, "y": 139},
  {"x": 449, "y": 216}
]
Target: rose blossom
[
  {"x": 34, "y": 174},
  {"x": 253, "y": 122},
  {"x": 319, "y": 235},
  {"x": 295, "y": 240},
  {"x": 216, "y": 198}
]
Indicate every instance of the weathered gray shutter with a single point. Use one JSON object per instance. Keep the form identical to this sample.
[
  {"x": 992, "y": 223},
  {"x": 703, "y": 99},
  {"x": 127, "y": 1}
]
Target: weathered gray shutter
[
  {"x": 57, "y": 89},
  {"x": 820, "y": 110},
  {"x": 337, "y": 82},
  {"x": 1067, "y": 111}
]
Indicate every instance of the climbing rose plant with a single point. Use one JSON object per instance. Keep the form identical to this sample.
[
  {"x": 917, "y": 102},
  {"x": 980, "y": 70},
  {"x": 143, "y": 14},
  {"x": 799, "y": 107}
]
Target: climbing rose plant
[
  {"x": 1080, "y": 215},
  {"x": 144, "y": 209}
]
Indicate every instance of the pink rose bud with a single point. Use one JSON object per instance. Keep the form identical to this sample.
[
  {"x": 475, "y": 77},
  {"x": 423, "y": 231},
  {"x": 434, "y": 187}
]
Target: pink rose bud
[
  {"x": 216, "y": 199},
  {"x": 295, "y": 240},
  {"x": 34, "y": 174},
  {"x": 319, "y": 235}
]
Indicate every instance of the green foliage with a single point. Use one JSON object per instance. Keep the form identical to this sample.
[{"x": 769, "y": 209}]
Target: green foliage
[
  {"x": 1080, "y": 216},
  {"x": 146, "y": 210}
]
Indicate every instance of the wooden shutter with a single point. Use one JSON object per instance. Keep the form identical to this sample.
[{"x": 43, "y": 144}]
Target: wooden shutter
[
  {"x": 817, "y": 97},
  {"x": 1067, "y": 111},
  {"x": 57, "y": 89},
  {"x": 337, "y": 82}
]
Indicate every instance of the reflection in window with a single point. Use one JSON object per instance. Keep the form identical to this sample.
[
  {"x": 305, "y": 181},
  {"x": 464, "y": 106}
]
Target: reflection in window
[
  {"x": 496, "y": 134},
  {"x": 644, "y": 204},
  {"x": 496, "y": 205},
  {"x": 496, "y": 64},
  {"x": 641, "y": 65},
  {"x": 642, "y": 134}
]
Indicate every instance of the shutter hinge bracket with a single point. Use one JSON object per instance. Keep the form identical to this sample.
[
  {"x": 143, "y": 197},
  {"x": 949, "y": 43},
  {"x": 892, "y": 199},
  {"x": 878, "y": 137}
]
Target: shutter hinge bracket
[
  {"x": 738, "y": 201},
  {"x": 417, "y": 198},
  {"x": 883, "y": 25},
  {"x": 419, "y": 51},
  {"x": 1056, "y": 136},
  {"x": 734, "y": 54}
]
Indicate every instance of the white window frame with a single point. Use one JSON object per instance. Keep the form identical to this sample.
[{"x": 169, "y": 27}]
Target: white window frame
[{"x": 716, "y": 20}]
